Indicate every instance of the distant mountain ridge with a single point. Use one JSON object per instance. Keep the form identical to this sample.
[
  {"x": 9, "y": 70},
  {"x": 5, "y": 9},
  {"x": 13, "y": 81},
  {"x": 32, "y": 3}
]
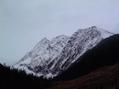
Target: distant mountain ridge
[{"x": 49, "y": 58}]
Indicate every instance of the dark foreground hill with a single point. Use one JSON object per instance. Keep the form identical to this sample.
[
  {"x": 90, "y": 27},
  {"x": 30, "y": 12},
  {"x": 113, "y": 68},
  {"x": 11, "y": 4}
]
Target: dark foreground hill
[
  {"x": 102, "y": 78},
  {"x": 13, "y": 79},
  {"x": 104, "y": 54}
]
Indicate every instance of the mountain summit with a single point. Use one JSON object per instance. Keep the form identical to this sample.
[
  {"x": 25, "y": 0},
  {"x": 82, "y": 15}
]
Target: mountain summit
[
  {"x": 44, "y": 51},
  {"x": 49, "y": 58},
  {"x": 80, "y": 42}
]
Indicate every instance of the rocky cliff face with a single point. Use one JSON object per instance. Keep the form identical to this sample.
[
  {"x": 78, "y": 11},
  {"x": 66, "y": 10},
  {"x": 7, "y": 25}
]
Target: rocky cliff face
[
  {"x": 38, "y": 58},
  {"x": 80, "y": 42},
  {"x": 49, "y": 58}
]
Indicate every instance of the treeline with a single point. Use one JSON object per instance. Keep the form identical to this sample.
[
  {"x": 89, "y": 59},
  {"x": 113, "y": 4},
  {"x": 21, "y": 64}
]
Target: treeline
[{"x": 14, "y": 79}]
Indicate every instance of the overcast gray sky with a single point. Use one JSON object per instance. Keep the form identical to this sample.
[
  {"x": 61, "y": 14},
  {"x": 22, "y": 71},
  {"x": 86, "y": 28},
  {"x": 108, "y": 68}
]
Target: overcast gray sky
[{"x": 24, "y": 22}]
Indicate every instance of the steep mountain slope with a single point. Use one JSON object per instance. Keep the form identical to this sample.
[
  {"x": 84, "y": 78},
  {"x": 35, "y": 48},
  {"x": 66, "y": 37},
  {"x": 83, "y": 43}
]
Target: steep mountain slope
[
  {"x": 105, "y": 53},
  {"x": 80, "y": 42},
  {"x": 37, "y": 59},
  {"x": 49, "y": 58}
]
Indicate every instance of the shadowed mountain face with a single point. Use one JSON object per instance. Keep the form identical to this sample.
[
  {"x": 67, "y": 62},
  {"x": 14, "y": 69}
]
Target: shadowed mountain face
[{"x": 105, "y": 53}]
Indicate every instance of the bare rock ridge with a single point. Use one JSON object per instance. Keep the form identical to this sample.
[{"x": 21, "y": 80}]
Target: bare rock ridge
[{"x": 49, "y": 58}]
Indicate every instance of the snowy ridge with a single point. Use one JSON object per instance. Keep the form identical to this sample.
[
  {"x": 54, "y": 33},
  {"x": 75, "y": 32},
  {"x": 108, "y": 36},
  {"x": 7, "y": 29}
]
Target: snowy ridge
[
  {"x": 78, "y": 44},
  {"x": 41, "y": 55},
  {"x": 49, "y": 58}
]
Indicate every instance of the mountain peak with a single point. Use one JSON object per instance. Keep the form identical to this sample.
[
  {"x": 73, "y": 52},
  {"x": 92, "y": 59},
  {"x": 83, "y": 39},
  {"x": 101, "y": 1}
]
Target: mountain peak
[
  {"x": 93, "y": 27},
  {"x": 44, "y": 40},
  {"x": 104, "y": 33},
  {"x": 81, "y": 41},
  {"x": 49, "y": 57},
  {"x": 45, "y": 51}
]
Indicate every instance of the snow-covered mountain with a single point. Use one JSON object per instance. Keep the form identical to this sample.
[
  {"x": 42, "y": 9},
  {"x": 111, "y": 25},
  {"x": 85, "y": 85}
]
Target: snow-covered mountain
[
  {"x": 44, "y": 52},
  {"x": 49, "y": 58},
  {"x": 77, "y": 45}
]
